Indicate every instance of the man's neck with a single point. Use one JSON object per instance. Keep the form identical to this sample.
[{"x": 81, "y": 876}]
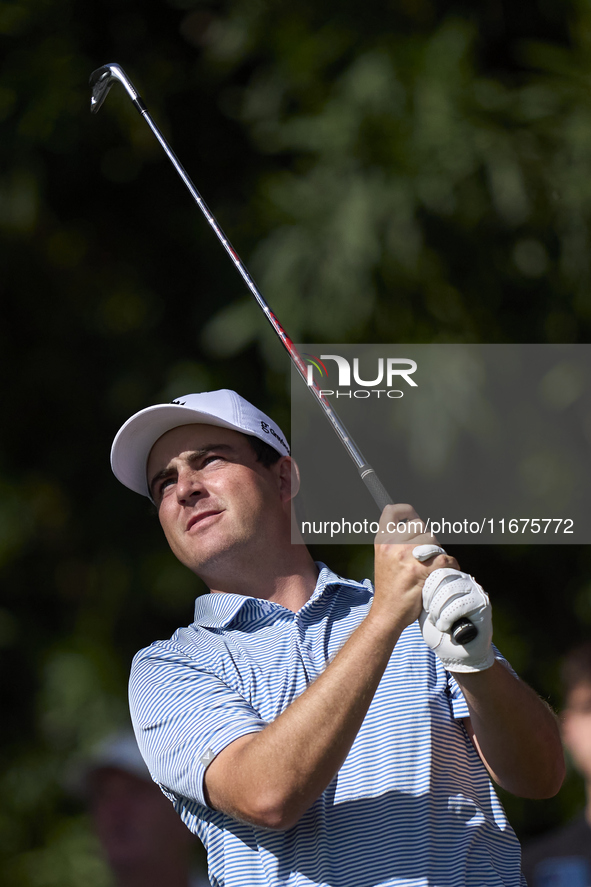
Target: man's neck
[{"x": 288, "y": 580}]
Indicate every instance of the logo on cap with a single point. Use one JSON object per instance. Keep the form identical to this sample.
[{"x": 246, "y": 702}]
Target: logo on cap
[{"x": 268, "y": 430}]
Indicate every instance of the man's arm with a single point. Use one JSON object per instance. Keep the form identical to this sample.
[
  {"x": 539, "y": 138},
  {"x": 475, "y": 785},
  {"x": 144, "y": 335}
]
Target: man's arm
[
  {"x": 272, "y": 777},
  {"x": 515, "y": 732}
]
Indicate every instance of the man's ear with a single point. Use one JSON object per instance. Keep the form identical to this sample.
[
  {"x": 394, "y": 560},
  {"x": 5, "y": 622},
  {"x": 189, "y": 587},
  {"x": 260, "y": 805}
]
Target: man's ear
[{"x": 289, "y": 478}]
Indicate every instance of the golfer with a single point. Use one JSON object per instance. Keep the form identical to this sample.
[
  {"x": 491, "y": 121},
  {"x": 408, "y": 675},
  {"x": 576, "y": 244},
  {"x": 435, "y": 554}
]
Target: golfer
[{"x": 313, "y": 730}]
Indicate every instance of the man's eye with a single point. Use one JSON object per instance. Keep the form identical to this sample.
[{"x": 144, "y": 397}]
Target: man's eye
[
  {"x": 209, "y": 459},
  {"x": 167, "y": 482}
]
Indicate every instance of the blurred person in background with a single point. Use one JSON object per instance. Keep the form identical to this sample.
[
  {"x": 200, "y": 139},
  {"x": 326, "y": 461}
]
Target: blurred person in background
[
  {"x": 562, "y": 858},
  {"x": 144, "y": 841}
]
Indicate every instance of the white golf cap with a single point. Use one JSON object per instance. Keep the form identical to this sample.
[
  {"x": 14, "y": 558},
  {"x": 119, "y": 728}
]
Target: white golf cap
[{"x": 135, "y": 439}]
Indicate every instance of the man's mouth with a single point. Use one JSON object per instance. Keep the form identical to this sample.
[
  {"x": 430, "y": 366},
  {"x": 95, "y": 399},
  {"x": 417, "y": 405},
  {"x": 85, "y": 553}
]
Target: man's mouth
[{"x": 201, "y": 517}]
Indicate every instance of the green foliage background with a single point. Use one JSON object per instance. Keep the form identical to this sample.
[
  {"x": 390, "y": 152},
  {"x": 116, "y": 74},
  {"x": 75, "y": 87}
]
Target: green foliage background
[{"x": 404, "y": 171}]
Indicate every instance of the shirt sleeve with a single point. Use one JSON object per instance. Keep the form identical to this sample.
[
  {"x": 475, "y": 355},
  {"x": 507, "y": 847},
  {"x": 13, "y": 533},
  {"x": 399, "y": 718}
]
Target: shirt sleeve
[
  {"x": 183, "y": 716},
  {"x": 459, "y": 705}
]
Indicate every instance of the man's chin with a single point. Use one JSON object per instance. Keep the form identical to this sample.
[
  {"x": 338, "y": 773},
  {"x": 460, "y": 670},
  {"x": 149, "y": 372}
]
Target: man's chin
[{"x": 213, "y": 555}]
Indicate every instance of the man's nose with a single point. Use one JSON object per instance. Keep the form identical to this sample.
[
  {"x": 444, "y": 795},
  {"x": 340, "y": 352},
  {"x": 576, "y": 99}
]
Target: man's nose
[{"x": 189, "y": 484}]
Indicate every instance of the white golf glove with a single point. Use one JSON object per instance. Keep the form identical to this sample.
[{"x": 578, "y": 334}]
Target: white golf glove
[{"x": 449, "y": 595}]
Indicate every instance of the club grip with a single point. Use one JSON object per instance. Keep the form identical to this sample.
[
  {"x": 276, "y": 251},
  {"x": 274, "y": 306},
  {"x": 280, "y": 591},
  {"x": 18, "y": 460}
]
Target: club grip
[{"x": 380, "y": 494}]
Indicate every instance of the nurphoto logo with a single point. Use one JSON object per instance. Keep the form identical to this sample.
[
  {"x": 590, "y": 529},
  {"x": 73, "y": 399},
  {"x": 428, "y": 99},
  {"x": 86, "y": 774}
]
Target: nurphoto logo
[{"x": 390, "y": 370}]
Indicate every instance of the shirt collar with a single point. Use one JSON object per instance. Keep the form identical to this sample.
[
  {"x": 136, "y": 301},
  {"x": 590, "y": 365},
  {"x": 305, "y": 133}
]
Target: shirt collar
[
  {"x": 327, "y": 579},
  {"x": 217, "y": 610}
]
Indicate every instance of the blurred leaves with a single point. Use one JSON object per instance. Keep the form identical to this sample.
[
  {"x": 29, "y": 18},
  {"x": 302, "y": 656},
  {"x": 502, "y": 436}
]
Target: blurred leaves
[
  {"x": 74, "y": 705},
  {"x": 70, "y": 857},
  {"x": 404, "y": 165}
]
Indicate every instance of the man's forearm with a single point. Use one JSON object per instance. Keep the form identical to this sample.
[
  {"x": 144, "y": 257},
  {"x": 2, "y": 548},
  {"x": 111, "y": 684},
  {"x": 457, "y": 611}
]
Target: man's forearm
[{"x": 515, "y": 732}]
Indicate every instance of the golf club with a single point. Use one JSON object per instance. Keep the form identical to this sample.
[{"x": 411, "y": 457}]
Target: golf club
[{"x": 101, "y": 81}]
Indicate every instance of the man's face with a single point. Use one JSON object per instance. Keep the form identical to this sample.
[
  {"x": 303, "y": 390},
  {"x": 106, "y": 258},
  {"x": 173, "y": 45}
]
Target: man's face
[
  {"x": 576, "y": 727},
  {"x": 214, "y": 499},
  {"x": 134, "y": 822}
]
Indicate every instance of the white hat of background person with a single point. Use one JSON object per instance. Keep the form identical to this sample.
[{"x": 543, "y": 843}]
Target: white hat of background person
[
  {"x": 117, "y": 751},
  {"x": 135, "y": 439}
]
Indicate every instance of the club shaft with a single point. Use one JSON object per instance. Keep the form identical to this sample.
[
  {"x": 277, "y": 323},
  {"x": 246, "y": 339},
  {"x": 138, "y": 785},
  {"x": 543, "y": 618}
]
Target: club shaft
[
  {"x": 366, "y": 472},
  {"x": 463, "y": 629}
]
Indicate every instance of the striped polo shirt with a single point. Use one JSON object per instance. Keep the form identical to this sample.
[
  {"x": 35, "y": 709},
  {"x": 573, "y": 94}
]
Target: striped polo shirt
[{"x": 412, "y": 803}]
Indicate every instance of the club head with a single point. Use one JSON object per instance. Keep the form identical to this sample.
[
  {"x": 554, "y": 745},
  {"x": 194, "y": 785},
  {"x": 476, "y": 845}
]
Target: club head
[{"x": 101, "y": 81}]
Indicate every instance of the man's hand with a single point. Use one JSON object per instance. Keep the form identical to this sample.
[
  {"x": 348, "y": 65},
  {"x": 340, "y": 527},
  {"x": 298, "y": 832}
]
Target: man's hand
[
  {"x": 399, "y": 576},
  {"x": 448, "y": 595}
]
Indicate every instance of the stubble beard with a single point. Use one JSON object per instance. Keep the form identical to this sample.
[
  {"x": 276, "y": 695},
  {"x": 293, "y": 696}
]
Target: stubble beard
[{"x": 224, "y": 557}]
